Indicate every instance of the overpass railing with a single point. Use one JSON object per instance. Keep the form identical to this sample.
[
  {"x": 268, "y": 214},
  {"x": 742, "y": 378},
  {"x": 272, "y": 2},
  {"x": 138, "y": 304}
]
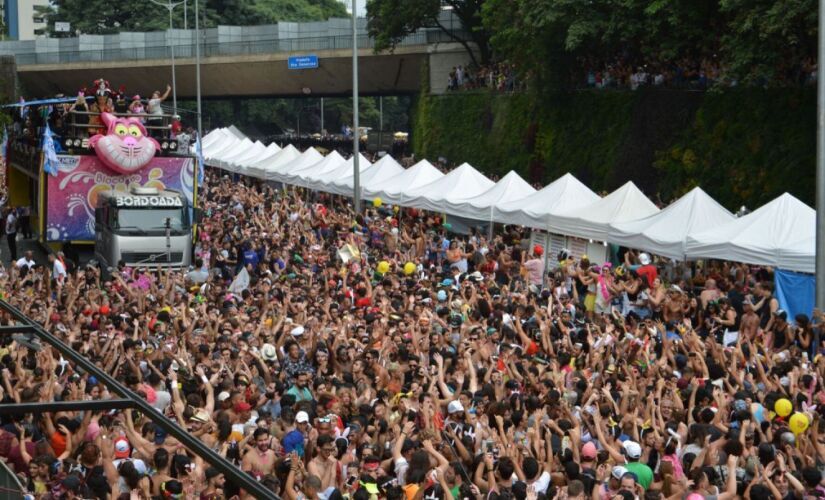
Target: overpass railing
[{"x": 237, "y": 48}]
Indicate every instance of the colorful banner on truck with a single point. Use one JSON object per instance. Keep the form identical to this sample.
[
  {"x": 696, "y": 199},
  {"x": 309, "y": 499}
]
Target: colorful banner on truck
[{"x": 72, "y": 194}]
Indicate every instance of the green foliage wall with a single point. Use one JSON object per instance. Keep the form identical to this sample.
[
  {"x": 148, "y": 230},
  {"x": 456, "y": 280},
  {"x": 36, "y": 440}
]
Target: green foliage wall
[{"x": 742, "y": 146}]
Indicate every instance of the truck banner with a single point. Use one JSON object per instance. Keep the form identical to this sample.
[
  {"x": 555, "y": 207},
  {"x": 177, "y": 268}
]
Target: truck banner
[{"x": 72, "y": 194}]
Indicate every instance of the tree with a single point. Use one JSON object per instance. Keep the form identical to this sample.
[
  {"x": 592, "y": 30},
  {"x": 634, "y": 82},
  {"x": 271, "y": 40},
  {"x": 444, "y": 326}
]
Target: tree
[
  {"x": 106, "y": 16},
  {"x": 389, "y": 21},
  {"x": 762, "y": 41}
]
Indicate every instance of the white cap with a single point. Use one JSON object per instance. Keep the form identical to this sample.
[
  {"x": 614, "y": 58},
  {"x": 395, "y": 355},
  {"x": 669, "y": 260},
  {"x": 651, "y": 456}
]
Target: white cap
[
  {"x": 223, "y": 396},
  {"x": 632, "y": 449},
  {"x": 301, "y": 417},
  {"x": 297, "y": 331},
  {"x": 618, "y": 471},
  {"x": 644, "y": 258},
  {"x": 454, "y": 407}
]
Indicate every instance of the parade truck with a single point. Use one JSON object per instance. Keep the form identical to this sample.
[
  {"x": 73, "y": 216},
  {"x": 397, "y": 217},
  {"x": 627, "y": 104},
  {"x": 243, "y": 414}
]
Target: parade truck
[{"x": 107, "y": 182}]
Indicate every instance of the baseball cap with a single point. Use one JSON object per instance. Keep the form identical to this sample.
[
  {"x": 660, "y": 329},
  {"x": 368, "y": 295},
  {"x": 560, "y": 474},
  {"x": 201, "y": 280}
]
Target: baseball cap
[
  {"x": 223, "y": 396},
  {"x": 589, "y": 451},
  {"x": 302, "y": 417},
  {"x": 297, "y": 331},
  {"x": 242, "y": 406},
  {"x": 644, "y": 258},
  {"x": 122, "y": 448},
  {"x": 632, "y": 449},
  {"x": 618, "y": 471},
  {"x": 454, "y": 407},
  {"x": 442, "y": 295}
]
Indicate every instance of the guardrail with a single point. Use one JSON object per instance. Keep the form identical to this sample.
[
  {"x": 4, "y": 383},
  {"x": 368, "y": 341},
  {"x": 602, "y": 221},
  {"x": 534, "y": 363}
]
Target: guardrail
[
  {"x": 10, "y": 487},
  {"x": 129, "y": 399},
  {"x": 237, "y": 48}
]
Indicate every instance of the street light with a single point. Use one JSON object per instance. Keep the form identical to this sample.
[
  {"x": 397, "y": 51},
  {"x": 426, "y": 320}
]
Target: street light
[
  {"x": 171, "y": 6},
  {"x": 356, "y": 136}
]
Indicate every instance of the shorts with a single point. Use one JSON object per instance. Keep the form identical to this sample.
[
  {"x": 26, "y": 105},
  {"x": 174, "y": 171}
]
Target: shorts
[{"x": 590, "y": 302}]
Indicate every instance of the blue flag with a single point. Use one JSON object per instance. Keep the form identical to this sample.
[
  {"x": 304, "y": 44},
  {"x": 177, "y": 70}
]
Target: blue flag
[
  {"x": 199, "y": 153},
  {"x": 4, "y": 146},
  {"x": 49, "y": 154}
]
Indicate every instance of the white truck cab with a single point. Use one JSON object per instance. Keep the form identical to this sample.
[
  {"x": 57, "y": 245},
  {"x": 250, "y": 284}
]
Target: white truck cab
[{"x": 144, "y": 227}]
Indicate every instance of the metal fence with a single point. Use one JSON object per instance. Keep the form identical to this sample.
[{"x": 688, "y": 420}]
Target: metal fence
[
  {"x": 10, "y": 487},
  {"x": 220, "y": 41}
]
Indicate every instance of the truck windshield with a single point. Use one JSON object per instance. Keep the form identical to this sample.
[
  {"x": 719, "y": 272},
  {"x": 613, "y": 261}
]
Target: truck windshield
[{"x": 152, "y": 219}]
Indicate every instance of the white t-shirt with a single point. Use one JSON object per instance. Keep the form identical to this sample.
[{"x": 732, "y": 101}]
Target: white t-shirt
[
  {"x": 401, "y": 466},
  {"x": 11, "y": 223},
  {"x": 58, "y": 270},
  {"x": 153, "y": 108},
  {"x": 541, "y": 484},
  {"x": 23, "y": 262}
]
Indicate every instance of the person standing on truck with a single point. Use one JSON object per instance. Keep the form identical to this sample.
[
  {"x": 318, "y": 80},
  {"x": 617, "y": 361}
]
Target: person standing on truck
[
  {"x": 24, "y": 214},
  {"x": 11, "y": 233},
  {"x": 58, "y": 269},
  {"x": 154, "y": 109}
]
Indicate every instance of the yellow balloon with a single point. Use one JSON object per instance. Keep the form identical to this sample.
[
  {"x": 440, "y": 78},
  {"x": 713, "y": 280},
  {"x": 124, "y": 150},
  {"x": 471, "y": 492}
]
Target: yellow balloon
[
  {"x": 383, "y": 267},
  {"x": 409, "y": 268},
  {"x": 783, "y": 407},
  {"x": 376, "y": 202},
  {"x": 798, "y": 423}
]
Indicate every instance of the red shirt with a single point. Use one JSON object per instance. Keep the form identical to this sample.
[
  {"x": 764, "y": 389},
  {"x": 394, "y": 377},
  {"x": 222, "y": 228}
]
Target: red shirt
[{"x": 649, "y": 273}]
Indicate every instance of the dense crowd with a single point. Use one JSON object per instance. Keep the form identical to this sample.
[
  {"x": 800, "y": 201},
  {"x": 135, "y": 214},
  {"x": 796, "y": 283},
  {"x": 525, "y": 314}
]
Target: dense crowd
[
  {"x": 376, "y": 355},
  {"x": 702, "y": 74},
  {"x": 500, "y": 77}
]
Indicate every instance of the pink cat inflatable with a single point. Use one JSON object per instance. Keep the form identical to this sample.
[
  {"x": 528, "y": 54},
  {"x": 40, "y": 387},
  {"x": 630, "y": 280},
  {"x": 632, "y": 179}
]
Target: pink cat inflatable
[{"x": 125, "y": 148}]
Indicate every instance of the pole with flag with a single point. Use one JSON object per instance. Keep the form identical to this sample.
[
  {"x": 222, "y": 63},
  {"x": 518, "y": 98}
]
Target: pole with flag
[
  {"x": 49, "y": 154},
  {"x": 199, "y": 153},
  {"x": 4, "y": 146}
]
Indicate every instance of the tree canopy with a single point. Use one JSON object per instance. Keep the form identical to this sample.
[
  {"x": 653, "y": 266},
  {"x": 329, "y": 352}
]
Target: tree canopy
[
  {"x": 105, "y": 16},
  {"x": 750, "y": 40},
  {"x": 389, "y": 21}
]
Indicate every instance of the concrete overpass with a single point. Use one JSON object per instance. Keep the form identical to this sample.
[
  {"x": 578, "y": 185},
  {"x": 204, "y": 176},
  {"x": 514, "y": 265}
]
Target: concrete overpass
[{"x": 237, "y": 62}]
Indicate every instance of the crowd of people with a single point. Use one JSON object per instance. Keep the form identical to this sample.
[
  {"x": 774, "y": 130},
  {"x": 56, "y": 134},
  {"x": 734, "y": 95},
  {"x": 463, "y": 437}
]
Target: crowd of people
[
  {"x": 81, "y": 118},
  {"x": 376, "y": 355},
  {"x": 624, "y": 73},
  {"x": 500, "y": 77}
]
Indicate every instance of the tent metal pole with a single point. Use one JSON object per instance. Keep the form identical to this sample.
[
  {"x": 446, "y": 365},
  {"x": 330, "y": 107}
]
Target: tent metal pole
[{"x": 820, "y": 173}]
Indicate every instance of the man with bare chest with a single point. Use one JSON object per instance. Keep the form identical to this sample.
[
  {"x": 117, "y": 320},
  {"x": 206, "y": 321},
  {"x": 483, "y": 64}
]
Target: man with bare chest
[
  {"x": 675, "y": 304},
  {"x": 750, "y": 321},
  {"x": 260, "y": 461}
]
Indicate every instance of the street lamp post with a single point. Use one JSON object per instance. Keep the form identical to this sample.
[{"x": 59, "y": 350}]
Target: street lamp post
[
  {"x": 198, "y": 68},
  {"x": 820, "y": 172},
  {"x": 171, "y": 6},
  {"x": 356, "y": 175}
]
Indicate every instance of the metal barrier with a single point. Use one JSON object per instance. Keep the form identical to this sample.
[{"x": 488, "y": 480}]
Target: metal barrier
[
  {"x": 10, "y": 486},
  {"x": 249, "y": 47},
  {"x": 129, "y": 399}
]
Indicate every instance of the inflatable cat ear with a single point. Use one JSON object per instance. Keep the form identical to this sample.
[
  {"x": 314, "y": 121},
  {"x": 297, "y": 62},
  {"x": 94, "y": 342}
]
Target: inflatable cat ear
[{"x": 125, "y": 148}]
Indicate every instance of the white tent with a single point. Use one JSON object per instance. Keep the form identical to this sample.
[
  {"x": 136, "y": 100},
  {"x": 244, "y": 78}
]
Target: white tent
[
  {"x": 223, "y": 146},
  {"x": 393, "y": 190},
  {"x": 230, "y": 150},
  {"x": 781, "y": 234},
  {"x": 666, "y": 232},
  {"x": 462, "y": 182},
  {"x": 324, "y": 181},
  {"x": 327, "y": 164},
  {"x": 378, "y": 172},
  {"x": 565, "y": 193},
  {"x": 259, "y": 168},
  {"x": 279, "y": 173},
  {"x": 593, "y": 221},
  {"x": 213, "y": 137},
  {"x": 235, "y": 162},
  {"x": 510, "y": 188}
]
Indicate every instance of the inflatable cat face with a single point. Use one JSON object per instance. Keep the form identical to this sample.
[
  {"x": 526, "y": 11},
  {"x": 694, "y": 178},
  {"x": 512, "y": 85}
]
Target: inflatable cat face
[{"x": 125, "y": 148}]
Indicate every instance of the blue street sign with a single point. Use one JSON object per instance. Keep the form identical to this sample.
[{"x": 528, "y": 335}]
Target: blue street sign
[{"x": 303, "y": 62}]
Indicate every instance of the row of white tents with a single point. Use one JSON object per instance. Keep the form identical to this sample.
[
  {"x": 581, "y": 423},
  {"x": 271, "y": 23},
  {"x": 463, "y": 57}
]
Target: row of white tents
[{"x": 780, "y": 233}]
